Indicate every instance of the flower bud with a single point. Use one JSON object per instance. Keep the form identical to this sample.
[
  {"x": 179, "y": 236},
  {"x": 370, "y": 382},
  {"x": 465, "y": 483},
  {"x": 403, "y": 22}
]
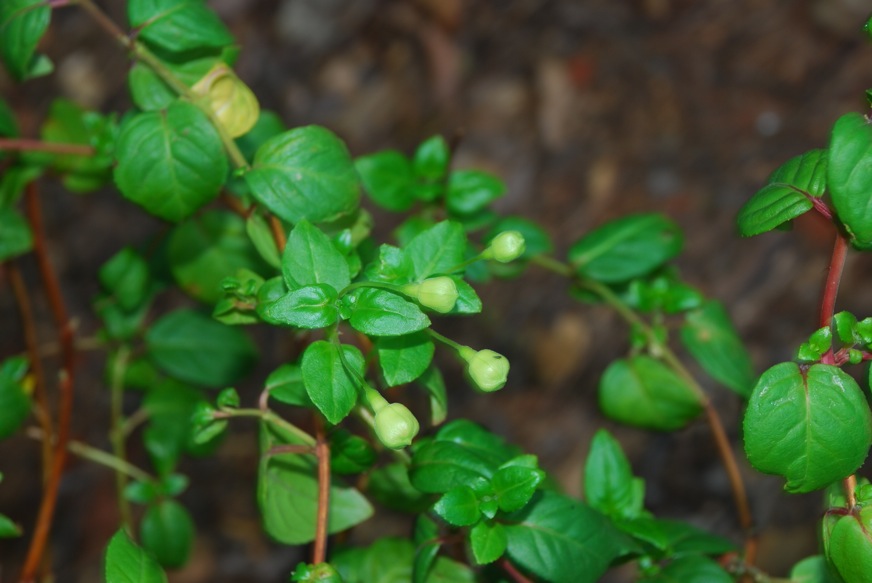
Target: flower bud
[
  {"x": 437, "y": 293},
  {"x": 505, "y": 247},
  {"x": 487, "y": 369},
  {"x": 229, "y": 98},
  {"x": 396, "y": 426}
]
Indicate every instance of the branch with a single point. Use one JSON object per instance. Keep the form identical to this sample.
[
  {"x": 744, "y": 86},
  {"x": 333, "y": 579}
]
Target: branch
[
  {"x": 322, "y": 450},
  {"x": 25, "y": 145}
]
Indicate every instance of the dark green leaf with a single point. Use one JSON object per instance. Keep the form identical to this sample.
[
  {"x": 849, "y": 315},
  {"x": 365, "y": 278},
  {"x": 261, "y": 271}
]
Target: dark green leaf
[
  {"x": 562, "y": 540},
  {"x": 128, "y": 563},
  {"x": 350, "y": 454},
  {"x": 468, "y": 301},
  {"x": 479, "y": 440},
  {"x": 807, "y": 172},
  {"x": 208, "y": 248},
  {"x": 22, "y": 24},
  {"x": 849, "y": 176},
  {"x": 390, "y": 486},
  {"x": 194, "y": 348},
  {"x": 262, "y": 238},
  {"x": 470, "y": 191},
  {"x": 167, "y": 532},
  {"x": 772, "y": 206},
  {"x": 14, "y": 399},
  {"x": 8, "y": 124},
  {"x": 126, "y": 277},
  {"x": 12, "y": 183},
  {"x": 626, "y": 248},
  {"x": 458, "y": 506},
  {"x": 437, "y": 250},
  {"x": 431, "y": 158},
  {"x": 812, "y": 426},
  {"x": 285, "y": 384},
  {"x": 332, "y": 388},
  {"x": 387, "y": 178},
  {"x": 673, "y": 538},
  {"x": 15, "y": 235},
  {"x": 151, "y": 93},
  {"x": 644, "y": 392},
  {"x": 178, "y": 26},
  {"x": 169, "y": 432},
  {"x": 693, "y": 569},
  {"x": 488, "y": 541},
  {"x": 170, "y": 163},
  {"x": 8, "y": 529},
  {"x": 609, "y": 484},
  {"x": 310, "y": 257},
  {"x": 404, "y": 358},
  {"x": 305, "y": 173},
  {"x": 269, "y": 124},
  {"x": 311, "y": 307},
  {"x": 427, "y": 543},
  {"x": 439, "y": 466},
  {"x": 287, "y": 493},
  {"x": 514, "y": 486},
  {"x": 378, "y": 312},
  {"x": 433, "y": 383},
  {"x": 709, "y": 335},
  {"x": 391, "y": 266}
]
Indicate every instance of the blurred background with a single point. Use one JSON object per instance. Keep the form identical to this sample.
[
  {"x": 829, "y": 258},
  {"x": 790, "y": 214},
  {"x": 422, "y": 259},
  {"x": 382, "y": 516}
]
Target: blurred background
[{"x": 588, "y": 109}]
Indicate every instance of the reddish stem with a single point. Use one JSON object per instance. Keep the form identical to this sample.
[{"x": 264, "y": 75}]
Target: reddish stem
[
  {"x": 322, "y": 450},
  {"x": 513, "y": 572},
  {"x": 278, "y": 232},
  {"x": 25, "y": 145},
  {"x": 67, "y": 342}
]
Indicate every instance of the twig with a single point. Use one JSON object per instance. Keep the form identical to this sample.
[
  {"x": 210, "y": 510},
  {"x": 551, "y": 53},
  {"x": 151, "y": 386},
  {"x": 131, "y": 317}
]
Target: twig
[
  {"x": 278, "y": 232},
  {"x": 67, "y": 342},
  {"x": 25, "y": 145},
  {"x": 513, "y": 572},
  {"x": 322, "y": 450},
  {"x": 117, "y": 432}
]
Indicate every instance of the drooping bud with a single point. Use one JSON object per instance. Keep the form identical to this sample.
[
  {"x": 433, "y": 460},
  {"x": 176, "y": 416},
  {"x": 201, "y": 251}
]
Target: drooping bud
[
  {"x": 396, "y": 426},
  {"x": 505, "y": 247},
  {"x": 437, "y": 293},
  {"x": 229, "y": 98},
  {"x": 489, "y": 370}
]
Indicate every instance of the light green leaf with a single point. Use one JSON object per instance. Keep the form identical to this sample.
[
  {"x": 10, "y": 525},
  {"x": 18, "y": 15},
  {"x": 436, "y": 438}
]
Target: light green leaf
[
  {"x": 849, "y": 176},
  {"x": 305, "y": 173},
  {"x": 514, "y": 485},
  {"x": 470, "y": 191},
  {"x": 310, "y": 258},
  {"x": 387, "y": 177},
  {"x": 437, "y": 250},
  {"x": 378, "y": 312},
  {"x": 626, "y": 248},
  {"x": 178, "y": 26},
  {"x": 431, "y": 158},
  {"x": 812, "y": 426},
  {"x": 287, "y": 493},
  {"x": 812, "y": 569},
  {"x": 433, "y": 383},
  {"x": 310, "y": 307},
  {"x": 332, "y": 388},
  {"x": 458, "y": 506},
  {"x": 693, "y": 569},
  {"x": 609, "y": 483},
  {"x": 128, "y": 563},
  {"x": 488, "y": 541},
  {"x": 402, "y": 359},
  {"x": 709, "y": 335},
  {"x": 167, "y": 532},
  {"x": 22, "y": 24},
  {"x": 285, "y": 384},
  {"x": 171, "y": 162},
  {"x": 197, "y": 349}
]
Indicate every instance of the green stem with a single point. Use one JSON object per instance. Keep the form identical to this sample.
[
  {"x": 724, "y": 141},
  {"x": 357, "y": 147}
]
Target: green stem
[
  {"x": 116, "y": 431},
  {"x": 269, "y": 417},
  {"x": 552, "y": 264},
  {"x": 374, "y": 284},
  {"x": 445, "y": 340}
]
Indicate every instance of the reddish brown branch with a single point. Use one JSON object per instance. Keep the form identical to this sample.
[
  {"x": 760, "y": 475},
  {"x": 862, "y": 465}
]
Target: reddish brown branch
[
  {"x": 31, "y": 340},
  {"x": 25, "y": 145},
  {"x": 278, "y": 232},
  {"x": 513, "y": 572},
  {"x": 67, "y": 342},
  {"x": 322, "y": 450}
]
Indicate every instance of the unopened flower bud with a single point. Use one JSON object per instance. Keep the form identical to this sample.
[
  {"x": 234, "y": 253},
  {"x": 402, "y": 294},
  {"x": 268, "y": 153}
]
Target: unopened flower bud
[
  {"x": 437, "y": 293},
  {"x": 505, "y": 247},
  {"x": 487, "y": 369},
  {"x": 396, "y": 426}
]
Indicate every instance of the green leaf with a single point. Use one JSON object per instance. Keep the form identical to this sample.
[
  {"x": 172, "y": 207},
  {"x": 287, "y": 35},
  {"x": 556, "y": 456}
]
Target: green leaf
[
  {"x": 287, "y": 493},
  {"x": 14, "y": 399},
  {"x": 12, "y": 183},
  {"x": 390, "y": 486},
  {"x": 22, "y": 24},
  {"x": 8, "y": 124},
  {"x": 673, "y": 538},
  {"x": 644, "y": 392},
  {"x": 439, "y": 466},
  {"x": 609, "y": 483},
  {"x": 849, "y": 176},
  {"x": 378, "y": 312},
  {"x": 626, "y": 248},
  {"x": 694, "y": 569},
  {"x": 171, "y": 162},
  {"x": 812, "y": 426},
  {"x": 562, "y": 540},
  {"x": 537, "y": 241},
  {"x": 332, "y": 388},
  {"x": 468, "y": 301},
  {"x": 387, "y": 177},
  {"x": 167, "y": 532},
  {"x": 285, "y": 384},
  {"x": 458, "y": 506},
  {"x": 310, "y": 307},
  {"x": 261, "y": 237},
  {"x": 310, "y": 257},
  {"x": 470, "y": 191},
  {"x": 151, "y": 93},
  {"x": 350, "y": 454},
  {"x": 126, "y": 277},
  {"x": 488, "y": 541},
  {"x": 169, "y": 433},
  {"x": 812, "y": 569},
  {"x": 8, "y": 529},
  {"x": 437, "y": 250},
  {"x": 269, "y": 124},
  {"x": 178, "y": 26},
  {"x": 194, "y": 348},
  {"x": 427, "y": 543},
  {"x": 205, "y": 249},
  {"x": 403, "y": 359},
  {"x": 709, "y": 335},
  {"x": 431, "y": 158},
  {"x": 15, "y": 235},
  {"x": 305, "y": 173},
  {"x": 434, "y": 384},
  {"x": 391, "y": 266},
  {"x": 514, "y": 486},
  {"x": 479, "y": 440},
  {"x": 128, "y": 563}
]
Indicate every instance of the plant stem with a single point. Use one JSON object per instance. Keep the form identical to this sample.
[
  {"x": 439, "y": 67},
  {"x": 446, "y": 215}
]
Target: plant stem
[
  {"x": 26, "y": 145},
  {"x": 67, "y": 342},
  {"x": 269, "y": 417},
  {"x": 116, "y": 432},
  {"x": 322, "y": 450},
  {"x": 513, "y": 572},
  {"x": 278, "y": 232},
  {"x": 444, "y": 339}
]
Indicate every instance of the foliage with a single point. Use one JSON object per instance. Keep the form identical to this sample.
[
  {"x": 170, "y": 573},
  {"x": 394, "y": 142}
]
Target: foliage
[{"x": 268, "y": 228}]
